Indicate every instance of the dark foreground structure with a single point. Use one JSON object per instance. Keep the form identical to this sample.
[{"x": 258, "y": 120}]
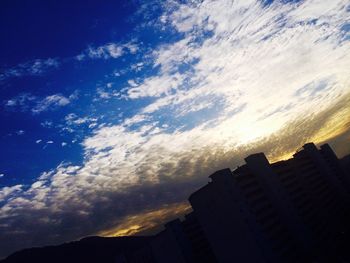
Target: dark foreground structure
[{"x": 289, "y": 211}]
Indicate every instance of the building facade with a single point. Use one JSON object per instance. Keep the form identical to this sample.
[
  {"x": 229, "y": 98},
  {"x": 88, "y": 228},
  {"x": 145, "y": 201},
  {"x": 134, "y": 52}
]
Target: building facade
[
  {"x": 290, "y": 211},
  {"x": 295, "y": 210}
]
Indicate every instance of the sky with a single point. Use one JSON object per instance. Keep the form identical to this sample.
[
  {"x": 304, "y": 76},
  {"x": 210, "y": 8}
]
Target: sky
[{"x": 113, "y": 112}]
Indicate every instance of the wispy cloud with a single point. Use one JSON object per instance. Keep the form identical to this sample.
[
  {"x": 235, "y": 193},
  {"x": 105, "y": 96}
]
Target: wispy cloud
[
  {"x": 6, "y": 191},
  {"x": 35, "y": 67},
  {"x": 107, "y": 51},
  {"x": 38, "y": 67},
  {"x": 22, "y": 102},
  {"x": 273, "y": 76},
  {"x": 73, "y": 121},
  {"x": 20, "y": 132},
  {"x": 28, "y": 102},
  {"x": 51, "y": 102},
  {"x": 146, "y": 171}
]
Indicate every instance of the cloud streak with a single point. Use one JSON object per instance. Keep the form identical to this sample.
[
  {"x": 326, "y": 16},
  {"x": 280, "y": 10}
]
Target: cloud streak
[
  {"x": 39, "y": 67},
  {"x": 35, "y": 67},
  {"x": 243, "y": 77},
  {"x": 28, "y": 102},
  {"x": 107, "y": 51},
  {"x": 128, "y": 180},
  {"x": 51, "y": 102}
]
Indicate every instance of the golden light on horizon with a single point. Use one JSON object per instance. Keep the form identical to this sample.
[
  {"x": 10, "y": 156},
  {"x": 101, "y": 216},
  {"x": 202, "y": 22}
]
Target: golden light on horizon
[{"x": 146, "y": 220}]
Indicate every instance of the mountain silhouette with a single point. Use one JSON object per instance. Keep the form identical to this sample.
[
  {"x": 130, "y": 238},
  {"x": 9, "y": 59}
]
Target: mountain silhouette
[
  {"x": 89, "y": 249},
  {"x": 291, "y": 211}
]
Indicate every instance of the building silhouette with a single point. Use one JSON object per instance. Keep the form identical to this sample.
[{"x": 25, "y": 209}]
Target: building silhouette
[
  {"x": 289, "y": 211},
  {"x": 295, "y": 210}
]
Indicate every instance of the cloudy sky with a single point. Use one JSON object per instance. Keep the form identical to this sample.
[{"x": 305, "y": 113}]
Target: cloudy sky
[{"x": 112, "y": 114}]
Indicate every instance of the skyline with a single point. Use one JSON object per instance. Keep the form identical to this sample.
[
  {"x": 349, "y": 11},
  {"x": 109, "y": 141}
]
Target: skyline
[
  {"x": 293, "y": 210},
  {"x": 112, "y": 114}
]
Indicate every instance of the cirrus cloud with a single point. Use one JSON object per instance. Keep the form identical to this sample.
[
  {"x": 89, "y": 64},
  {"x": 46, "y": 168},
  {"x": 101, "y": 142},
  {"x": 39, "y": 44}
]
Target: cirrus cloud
[
  {"x": 243, "y": 77},
  {"x": 106, "y": 51},
  {"x": 35, "y": 67}
]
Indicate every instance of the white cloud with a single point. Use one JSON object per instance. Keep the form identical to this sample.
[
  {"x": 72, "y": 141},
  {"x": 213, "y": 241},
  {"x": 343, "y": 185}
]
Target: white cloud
[
  {"x": 81, "y": 120},
  {"x": 258, "y": 73},
  {"x": 39, "y": 66},
  {"x": 22, "y": 102},
  {"x": 31, "y": 68},
  {"x": 2, "y": 175},
  {"x": 258, "y": 69},
  {"x": 29, "y": 102},
  {"x": 63, "y": 144},
  {"x": 132, "y": 47},
  {"x": 155, "y": 86},
  {"x": 51, "y": 102},
  {"x": 20, "y": 132},
  {"x": 6, "y": 191},
  {"x": 38, "y": 141},
  {"x": 72, "y": 119},
  {"x": 135, "y": 119},
  {"x": 255, "y": 56},
  {"x": 46, "y": 124},
  {"x": 92, "y": 125},
  {"x": 137, "y": 66},
  {"x": 107, "y": 51},
  {"x": 80, "y": 57},
  {"x": 103, "y": 94},
  {"x": 11, "y": 103},
  {"x": 132, "y": 83}
]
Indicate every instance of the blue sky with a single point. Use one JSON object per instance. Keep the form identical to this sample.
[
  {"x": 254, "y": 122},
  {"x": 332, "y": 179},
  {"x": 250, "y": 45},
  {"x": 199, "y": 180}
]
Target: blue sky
[
  {"x": 115, "y": 112},
  {"x": 46, "y": 65}
]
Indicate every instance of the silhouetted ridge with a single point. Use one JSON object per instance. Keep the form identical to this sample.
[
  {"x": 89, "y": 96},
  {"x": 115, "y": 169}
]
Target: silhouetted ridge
[
  {"x": 89, "y": 249},
  {"x": 291, "y": 211}
]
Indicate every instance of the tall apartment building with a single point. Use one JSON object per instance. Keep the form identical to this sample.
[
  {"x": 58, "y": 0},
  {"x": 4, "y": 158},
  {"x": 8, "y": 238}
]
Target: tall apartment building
[
  {"x": 289, "y": 211},
  {"x": 294, "y": 211}
]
